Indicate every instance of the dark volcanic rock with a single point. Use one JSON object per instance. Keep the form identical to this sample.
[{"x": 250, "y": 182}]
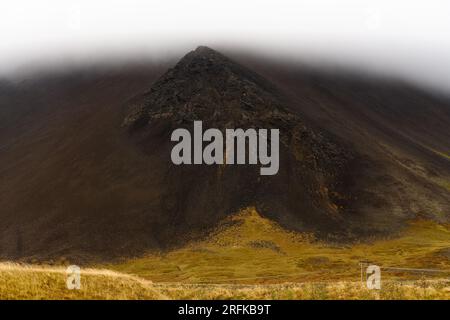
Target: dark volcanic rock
[
  {"x": 313, "y": 186},
  {"x": 81, "y": 177}
]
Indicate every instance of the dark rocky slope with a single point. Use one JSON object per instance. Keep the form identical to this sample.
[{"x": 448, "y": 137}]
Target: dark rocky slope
[
  {"x": 86, "y": 171},
  {"x": 314, "y": 186}
]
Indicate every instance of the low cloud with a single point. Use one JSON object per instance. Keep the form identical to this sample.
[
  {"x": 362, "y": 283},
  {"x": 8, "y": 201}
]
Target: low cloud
[{"x": 406, "y": 39}]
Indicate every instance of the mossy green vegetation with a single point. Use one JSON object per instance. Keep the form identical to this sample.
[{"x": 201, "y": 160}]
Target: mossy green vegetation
[
  {"x": 251, "y": 257},
  {"x": 249, "y": 248}
]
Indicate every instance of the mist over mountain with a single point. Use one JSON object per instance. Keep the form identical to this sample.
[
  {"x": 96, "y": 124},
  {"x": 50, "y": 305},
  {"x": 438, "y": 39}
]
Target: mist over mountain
[{"x": 85, "y": 156}]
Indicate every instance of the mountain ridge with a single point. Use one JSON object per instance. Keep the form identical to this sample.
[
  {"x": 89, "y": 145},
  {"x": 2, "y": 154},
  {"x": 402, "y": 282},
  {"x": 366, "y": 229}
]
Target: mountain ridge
[{"x": 74, "y": 182}]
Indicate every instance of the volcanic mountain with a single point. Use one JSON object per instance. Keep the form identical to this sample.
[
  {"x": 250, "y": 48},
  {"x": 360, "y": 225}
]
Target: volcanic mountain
[
  {"x": 86, "y": 168},
  {"x": 307, "y": 192}
]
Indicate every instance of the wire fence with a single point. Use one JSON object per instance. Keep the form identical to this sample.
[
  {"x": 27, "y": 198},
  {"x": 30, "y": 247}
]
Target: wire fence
[{"x": 393, "y": 269}]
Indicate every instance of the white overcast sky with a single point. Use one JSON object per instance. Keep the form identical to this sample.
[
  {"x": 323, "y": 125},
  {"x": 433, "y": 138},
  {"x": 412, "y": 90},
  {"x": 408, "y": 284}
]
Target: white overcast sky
[{"x": 407, "y": 38}]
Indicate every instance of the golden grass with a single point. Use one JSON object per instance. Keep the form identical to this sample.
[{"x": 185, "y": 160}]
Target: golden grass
[
  {"x": 24, "y": 282},
  {"x": 256, "y": 250},
  {"x": 30, "y": 282},
  {"x": 251, "y": 257}
]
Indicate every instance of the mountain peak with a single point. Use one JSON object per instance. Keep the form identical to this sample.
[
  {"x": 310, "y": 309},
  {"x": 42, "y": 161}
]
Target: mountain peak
[
  {"x": 201, "y": 52},
  {"x": 207, "y": 85},
  {"x": 203, "y": 59},
  {"x": 204, "y": 50}
]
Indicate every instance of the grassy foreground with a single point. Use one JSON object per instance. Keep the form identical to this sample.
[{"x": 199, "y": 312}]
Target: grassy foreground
[
  {"x": 25, "y": 282},
  {"x": 250, "y": 257}
]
